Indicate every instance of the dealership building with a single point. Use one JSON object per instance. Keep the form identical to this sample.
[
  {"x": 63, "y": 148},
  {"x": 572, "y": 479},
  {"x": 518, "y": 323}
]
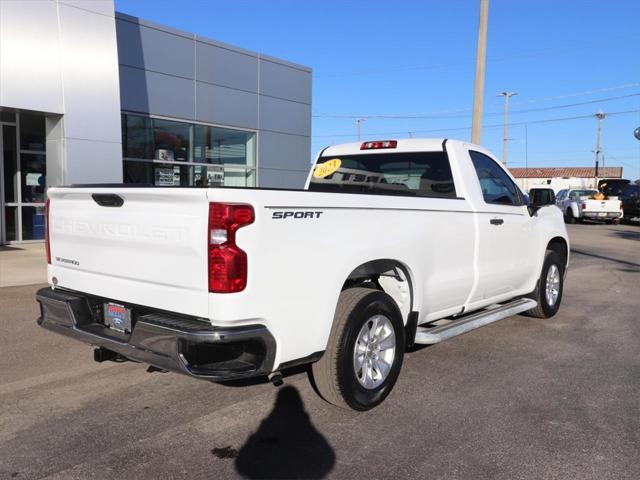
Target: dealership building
[{"x": 89, "y": 95}]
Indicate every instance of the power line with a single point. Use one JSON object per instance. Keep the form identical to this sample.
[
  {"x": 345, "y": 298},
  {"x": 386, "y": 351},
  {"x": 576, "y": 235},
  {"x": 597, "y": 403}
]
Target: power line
[
  {"x": 579, "y": 94},
  {"x": 496, "y": 125},
  {"x": 515, "y": 56},
  {"x": 435, "y": 115}
]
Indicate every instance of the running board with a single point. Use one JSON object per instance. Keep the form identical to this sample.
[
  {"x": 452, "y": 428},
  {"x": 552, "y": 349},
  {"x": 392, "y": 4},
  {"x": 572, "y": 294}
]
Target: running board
[{"x": 428, "y": 336}]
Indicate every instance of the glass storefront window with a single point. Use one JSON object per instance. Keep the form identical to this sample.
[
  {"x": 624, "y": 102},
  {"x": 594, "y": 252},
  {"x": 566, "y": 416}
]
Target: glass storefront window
[
  {"x": 222, "y": 146},
  {"x": 138, "y": 137},
  {"x": 32, "y": 177},
  {"x": 138, "y": 172},
  {"x": 158, "y": 174},
  {"x": 10, "y": 163},
  {"x": 23, "y": 165},
  {"x": 175, "y": 174},
  {"x": 226, "y": 156},
  {"x": 11, "y": 223},
  {"x": 32, "y": 135},
  {"x": 32, "y": 223},
  {"x": 205, "y": 176},
  {"x": 171, "y": 140}
]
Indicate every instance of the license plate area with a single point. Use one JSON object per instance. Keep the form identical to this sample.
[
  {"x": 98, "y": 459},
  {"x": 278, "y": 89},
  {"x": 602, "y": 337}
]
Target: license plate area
[
  {"x": 117, "y": 317},
  {"x": 602, "y": 214}
]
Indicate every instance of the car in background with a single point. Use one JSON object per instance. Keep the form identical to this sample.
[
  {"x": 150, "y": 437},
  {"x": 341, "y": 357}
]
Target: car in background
[
  {"x": 630, "y": 199},
  {"x": 578, "y": 204},
  {"x": 613, "y": 187}
]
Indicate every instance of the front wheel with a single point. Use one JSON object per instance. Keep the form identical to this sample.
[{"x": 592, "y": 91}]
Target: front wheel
[
  {"x": 365, "y": 350},
  {"x": 548, "y": 294},
  {"x": 569, "y": 218}
]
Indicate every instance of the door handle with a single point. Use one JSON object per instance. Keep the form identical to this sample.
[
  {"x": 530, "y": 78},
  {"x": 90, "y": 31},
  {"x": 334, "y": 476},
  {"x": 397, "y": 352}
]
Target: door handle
[{"x": 496, "y": 221}]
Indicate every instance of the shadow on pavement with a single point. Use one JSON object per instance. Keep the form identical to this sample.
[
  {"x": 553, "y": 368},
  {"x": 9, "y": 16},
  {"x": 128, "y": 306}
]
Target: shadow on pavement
[
  {"x": 602, "y": 257},
  {"x": 627, "y": 234},
  {"x": 286, "y": 445},
  {"x": 246, "y": 382}
]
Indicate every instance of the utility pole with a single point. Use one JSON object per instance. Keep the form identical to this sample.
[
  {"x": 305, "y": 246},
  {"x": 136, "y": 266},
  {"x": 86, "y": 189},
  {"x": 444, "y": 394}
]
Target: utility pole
[
  {"x": 600, "y": 116},
  {"x": 478, "y": 89},
  {"x": 526, "y": 153},
  {"x": 359, "y": 121},
  {"x": 506, "y": 96}
]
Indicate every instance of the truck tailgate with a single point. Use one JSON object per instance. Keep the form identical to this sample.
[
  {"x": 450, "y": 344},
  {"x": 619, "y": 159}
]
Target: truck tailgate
[
  {"x": 151, "y": 250},
  {"x": 601, "y": 205}
]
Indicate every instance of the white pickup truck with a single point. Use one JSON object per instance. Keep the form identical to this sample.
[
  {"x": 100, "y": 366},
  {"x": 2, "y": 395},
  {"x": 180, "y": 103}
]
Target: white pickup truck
[
  {"x": 577, "y": 204},
  {"x": 392, "y": 243}
]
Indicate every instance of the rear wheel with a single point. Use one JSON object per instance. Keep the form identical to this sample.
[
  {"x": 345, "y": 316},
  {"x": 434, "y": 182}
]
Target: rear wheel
[
  {"x": 365, "y": 350},
  {"x": 548, "y": 294}
]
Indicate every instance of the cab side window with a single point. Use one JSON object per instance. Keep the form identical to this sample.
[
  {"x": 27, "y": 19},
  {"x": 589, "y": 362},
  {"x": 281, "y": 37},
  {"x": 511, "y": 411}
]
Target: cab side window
[{"x": 496, "y": 185}]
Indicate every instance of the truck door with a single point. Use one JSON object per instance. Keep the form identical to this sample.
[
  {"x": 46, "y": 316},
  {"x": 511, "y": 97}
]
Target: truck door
[{"x": 506, "y": 239}]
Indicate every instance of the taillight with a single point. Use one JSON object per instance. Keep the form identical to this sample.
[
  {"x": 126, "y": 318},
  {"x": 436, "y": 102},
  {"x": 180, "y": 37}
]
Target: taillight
[
  {"x": 379, "y": 144},
  {"x": 47, "y": 219},
  {"x": 584, "y": 206},
  {"x": 227, "y": 262}
]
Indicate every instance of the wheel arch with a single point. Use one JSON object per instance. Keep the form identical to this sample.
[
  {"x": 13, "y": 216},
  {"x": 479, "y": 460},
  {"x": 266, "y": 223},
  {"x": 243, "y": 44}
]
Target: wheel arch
[
  {"x": 390, "y": 276},
  {"x": 561, "y": 247}
]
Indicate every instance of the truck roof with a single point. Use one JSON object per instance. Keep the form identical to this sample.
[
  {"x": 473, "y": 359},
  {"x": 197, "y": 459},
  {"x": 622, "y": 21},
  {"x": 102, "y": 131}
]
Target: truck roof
[{"x": 404, "y": 145}]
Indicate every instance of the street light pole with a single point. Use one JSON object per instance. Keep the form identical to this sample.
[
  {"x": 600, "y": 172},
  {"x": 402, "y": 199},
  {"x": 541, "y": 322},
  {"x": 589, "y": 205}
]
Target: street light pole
[
  {"x": 600, "y": 116},
  {"x": 478, "y": 90},
  {"x": 505, "y": 139},
  {"x": 359, "y": 121}
]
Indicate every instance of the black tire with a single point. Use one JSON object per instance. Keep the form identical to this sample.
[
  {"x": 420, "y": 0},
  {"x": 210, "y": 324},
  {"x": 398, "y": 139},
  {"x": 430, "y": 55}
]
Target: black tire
[
  {"x": 615, "y": 221},
  {"x": 334, "y": 375},
  {"x": 569, "y": 218},
  {"x": 544, "y": 309}
]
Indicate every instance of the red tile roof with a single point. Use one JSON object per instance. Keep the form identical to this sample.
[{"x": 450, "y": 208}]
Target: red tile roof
[{"x": 559, "y": 172}]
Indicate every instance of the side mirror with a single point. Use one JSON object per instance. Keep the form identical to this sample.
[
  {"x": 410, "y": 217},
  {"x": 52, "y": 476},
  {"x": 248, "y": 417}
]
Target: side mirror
[{"x": 541, "y": 197}]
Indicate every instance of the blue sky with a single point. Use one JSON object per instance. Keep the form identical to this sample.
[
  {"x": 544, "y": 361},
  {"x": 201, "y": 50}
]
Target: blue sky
[{"x": 408, "y": 58}]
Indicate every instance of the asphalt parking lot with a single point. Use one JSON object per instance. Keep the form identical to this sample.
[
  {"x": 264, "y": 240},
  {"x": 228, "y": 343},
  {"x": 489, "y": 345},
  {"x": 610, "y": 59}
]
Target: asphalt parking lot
[{"x": 520, "y": 399}]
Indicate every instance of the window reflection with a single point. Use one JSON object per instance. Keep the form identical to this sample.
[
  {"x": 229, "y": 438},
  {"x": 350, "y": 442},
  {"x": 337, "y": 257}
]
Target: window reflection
[
  {"x": 138, "y": 137},
  {"x": 173, "y": 175},
  {"x": 32, "y": 178},
  {"x": 32, "y": 223},
  {"x": 223, "y": 154},
  {"x": 222, "y": 146},
  {"x": 171, "y": 140}
]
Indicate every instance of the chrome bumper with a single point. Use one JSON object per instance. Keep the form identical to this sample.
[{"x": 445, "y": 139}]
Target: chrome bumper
[{"x": 164, "y": 340}]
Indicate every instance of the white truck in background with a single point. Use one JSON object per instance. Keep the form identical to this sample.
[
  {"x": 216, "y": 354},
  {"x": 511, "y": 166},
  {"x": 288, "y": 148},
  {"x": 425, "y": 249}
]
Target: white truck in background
[
  {"x": 226, "y": 283},
  {"x": 578, "y": 204}
]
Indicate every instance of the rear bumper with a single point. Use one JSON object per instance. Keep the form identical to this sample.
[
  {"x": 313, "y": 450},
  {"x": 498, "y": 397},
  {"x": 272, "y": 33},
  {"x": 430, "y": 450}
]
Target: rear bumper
[
  {"x": 168, "y": 341},
  {"x": 598, "y": 215}
]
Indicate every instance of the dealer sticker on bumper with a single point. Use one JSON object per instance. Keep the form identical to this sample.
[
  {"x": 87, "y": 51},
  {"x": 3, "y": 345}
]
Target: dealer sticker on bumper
[{"x": 117, "y": 317}]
